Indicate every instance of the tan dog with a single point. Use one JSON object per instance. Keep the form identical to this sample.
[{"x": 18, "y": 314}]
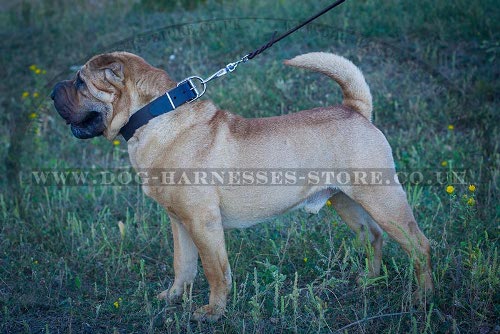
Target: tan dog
[{"x": 111, "y": 87}]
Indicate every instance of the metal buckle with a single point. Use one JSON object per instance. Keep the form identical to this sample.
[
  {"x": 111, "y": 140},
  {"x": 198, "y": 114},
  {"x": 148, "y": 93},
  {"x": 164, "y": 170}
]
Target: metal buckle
[{"x": 194, "y": 87}]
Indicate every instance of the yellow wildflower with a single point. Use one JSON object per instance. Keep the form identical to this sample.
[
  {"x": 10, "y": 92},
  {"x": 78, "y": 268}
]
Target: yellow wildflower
[
  {"x": 471, "y": 201},
  {"x": 35, "y": 94},
  {"x": 116, "y": 142},
  {"x": 116, "y": 304},
  {"x": 472, "y": 188},
  {"x": 38, "y": 71},
  {"x": 328, "y": 203},
  {"x": 451, "y": 127},
  {"x": 32, "y": 115},
  {"x": 450, "y": 189},
  {"x": 33, "y": 67},
  {"x": 444, "y": 163},
  {"x": 305, "y": 260},
  {"x": 25, "y": 95},
  {"x": 35, "y": 262}
]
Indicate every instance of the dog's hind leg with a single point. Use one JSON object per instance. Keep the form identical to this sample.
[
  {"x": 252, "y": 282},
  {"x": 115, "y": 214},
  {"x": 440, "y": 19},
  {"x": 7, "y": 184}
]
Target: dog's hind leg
[
  {"x": 388, "y": 206},
  {"x": 185, "y": 262},
  {"x": 363, "y": 224}
]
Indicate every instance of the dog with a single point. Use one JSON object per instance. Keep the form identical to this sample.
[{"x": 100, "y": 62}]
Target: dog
[{"x": 111, "y": 87}]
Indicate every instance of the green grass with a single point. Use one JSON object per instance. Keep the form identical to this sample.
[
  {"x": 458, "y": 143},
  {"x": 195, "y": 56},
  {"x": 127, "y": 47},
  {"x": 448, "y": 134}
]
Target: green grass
[{"x": 64, "y": 262}]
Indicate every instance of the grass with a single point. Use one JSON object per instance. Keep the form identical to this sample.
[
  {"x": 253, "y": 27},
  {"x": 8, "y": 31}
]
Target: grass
[{"x": 65, "y": 264}]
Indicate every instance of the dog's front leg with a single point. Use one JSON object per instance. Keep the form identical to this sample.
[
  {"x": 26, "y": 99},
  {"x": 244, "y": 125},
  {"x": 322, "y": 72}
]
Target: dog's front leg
[
  {"x": 208, "y": 235},
  {"x": 185, "y": 262}
]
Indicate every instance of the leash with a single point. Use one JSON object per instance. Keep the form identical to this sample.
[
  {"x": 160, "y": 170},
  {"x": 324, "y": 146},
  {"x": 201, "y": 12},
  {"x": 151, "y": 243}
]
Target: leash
[
  {"x": 232, "y": 66},
  {"x": 193, "y": 87}
]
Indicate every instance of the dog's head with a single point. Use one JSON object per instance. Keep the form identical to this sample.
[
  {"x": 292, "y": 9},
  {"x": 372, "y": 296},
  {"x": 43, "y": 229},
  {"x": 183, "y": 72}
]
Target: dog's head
[{"x": 106, "y": 91}]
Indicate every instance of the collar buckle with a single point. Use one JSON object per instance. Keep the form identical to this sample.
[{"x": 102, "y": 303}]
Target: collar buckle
[{"x": 197, "y": 85}]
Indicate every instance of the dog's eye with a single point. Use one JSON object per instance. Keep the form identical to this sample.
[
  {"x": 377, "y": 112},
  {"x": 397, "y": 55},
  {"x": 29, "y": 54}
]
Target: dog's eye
[{"x": 79, "y": 82}]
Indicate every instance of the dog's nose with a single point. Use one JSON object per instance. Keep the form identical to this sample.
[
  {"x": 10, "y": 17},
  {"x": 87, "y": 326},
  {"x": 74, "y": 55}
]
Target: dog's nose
[{"x": 54, "y": 90}]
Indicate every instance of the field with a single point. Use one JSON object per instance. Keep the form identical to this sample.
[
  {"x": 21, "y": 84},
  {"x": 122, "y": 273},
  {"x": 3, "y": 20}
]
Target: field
[{"x": 91, "y": 259}]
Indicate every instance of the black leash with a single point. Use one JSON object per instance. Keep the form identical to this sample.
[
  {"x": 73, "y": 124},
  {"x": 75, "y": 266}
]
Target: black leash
[
  {"x": 258, "y": 51},
  {"x": 187, "y": 90},
  {"x": 232, "y": 66}
]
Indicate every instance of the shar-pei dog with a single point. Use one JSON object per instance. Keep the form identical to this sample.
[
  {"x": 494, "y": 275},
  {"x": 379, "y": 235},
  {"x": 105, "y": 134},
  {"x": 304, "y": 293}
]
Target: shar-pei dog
[{"x": 198, "y": 136}]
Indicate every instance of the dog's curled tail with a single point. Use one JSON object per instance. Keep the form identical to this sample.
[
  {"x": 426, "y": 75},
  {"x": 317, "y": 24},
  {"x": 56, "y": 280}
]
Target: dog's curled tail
[{"x": 356, "y": 92}]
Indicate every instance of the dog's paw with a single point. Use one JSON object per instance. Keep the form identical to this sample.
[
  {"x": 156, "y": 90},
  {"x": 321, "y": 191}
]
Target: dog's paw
[
  {"x": 208, "y": 313},
  {"x": 425, "y": 290},
  {"x": 423, "y": 296},
  {"x": 171, "y": 296}
]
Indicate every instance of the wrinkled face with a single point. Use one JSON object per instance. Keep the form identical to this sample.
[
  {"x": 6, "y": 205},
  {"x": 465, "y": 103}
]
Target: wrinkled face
[
  {"x": 86, "y": 102},
  {"x": 79, "y": 108},
  {"x": 104, "y": 93}
]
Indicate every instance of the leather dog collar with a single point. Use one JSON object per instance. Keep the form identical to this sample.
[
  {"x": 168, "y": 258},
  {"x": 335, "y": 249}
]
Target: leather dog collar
[{"x": 184, "y": 92}]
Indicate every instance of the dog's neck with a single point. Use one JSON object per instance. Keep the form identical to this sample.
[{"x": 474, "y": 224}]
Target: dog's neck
[
  {"x": 152, "y": 84},
  {"x": 147, "y": 84},
  {"x": 153, "y": 100}
]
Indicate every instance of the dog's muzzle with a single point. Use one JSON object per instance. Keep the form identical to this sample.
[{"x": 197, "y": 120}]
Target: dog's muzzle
[{"x": 84, "y": 124}]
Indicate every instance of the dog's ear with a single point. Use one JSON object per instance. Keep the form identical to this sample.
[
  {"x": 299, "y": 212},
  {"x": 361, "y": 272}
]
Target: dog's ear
[
  {"x": 111, "y": 65},
  {"x": 114, "y": 72}
]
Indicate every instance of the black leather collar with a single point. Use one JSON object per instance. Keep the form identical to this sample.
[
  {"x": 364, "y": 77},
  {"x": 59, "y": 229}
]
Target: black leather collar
[{"x": 183, "y": 93}]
